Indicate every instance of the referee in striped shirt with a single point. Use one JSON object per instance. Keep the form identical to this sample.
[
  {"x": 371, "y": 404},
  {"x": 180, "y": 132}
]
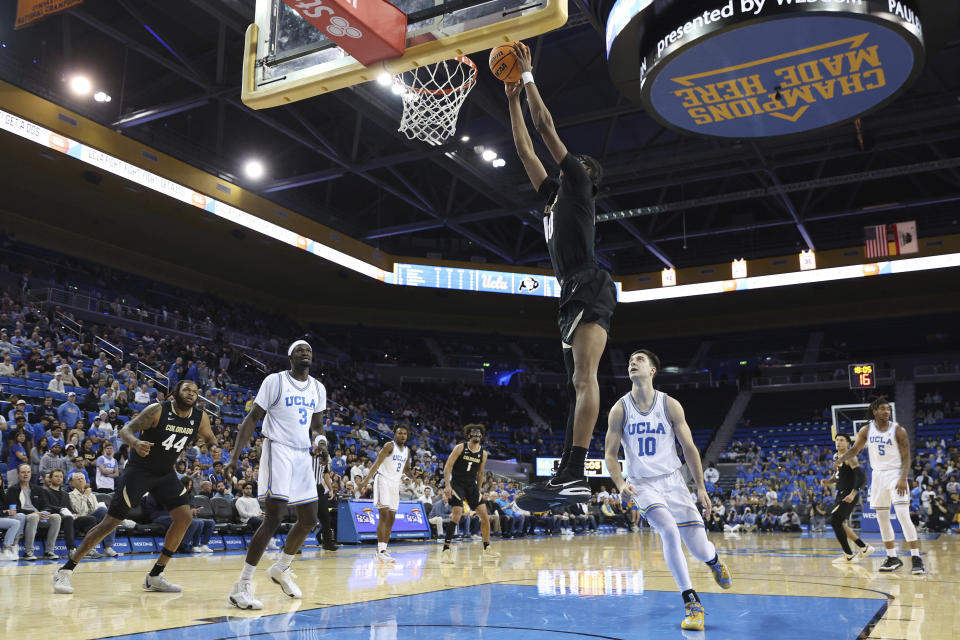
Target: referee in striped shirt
[{"x": 321, "y": 470}]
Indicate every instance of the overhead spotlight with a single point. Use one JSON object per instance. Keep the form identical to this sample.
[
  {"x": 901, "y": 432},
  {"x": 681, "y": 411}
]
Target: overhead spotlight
[
  {"x": 100, "y": 96},
  {"x": 253, "y": 169},
  {"x": 464, "y": 138},
  {"x": 499, "y": 162},
  {"x": 396, "y": 89},
  {"x": 489, "y": 155},
  {"x": 384, "y": 79},
  {"x": 81, "y": 85}
]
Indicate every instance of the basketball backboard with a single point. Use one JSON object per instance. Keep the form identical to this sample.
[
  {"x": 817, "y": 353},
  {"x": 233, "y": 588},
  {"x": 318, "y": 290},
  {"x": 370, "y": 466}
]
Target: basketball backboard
[{"x": 286, "y": 59}]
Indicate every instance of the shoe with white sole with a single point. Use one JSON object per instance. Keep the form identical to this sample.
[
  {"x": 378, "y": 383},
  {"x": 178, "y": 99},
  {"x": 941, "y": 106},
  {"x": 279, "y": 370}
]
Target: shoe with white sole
[
  {"x": 284, "y": 578},
  {"x": 447, "y": 557},
  {"x": 866, "y": 551},
  {"x": 161, "y": 584},
  {"x": 241, "y": 596},
  {"x": 61, "y": 581},
  {"x": 205, "y": 549},
  {"x": 384, "y": 557},
  {"x": 490, "y": 553},
  {"x": 110, "y": 553},
  {"x": 845, "y": 559}
]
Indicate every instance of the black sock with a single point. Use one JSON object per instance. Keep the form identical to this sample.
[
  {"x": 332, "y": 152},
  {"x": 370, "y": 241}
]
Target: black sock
[
  {"x": 690, "y": 596},
  {"x": 564, "y": 460},
  {"x": 69, "y": 565},
  {"x": 448, "y": 528},
  {"x": 860, "y": 543},
  {"x": 712, "y": 563},
  {"x": 575, "y": 466},
  {"x": 157, "y": 570},
  {"x": 485, "y": 545}
]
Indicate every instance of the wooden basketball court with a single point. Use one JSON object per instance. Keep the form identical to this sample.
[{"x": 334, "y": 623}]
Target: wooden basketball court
[{"x": 597, "y": 586}]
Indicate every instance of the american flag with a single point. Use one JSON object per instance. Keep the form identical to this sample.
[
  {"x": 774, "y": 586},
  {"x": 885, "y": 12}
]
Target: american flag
[{"x": 876, "y": 241}]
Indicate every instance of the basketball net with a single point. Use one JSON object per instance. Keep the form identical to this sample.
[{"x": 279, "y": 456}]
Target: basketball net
[{"x": 432, "y": 96}]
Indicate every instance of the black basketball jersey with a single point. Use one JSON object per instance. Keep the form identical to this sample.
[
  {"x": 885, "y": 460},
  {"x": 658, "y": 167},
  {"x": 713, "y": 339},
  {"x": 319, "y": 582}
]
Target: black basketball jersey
[
  {"x": 168, "y": 438},
  {"x": 849, "y": 479},
  {"x": 465, "y": 468},
  {"x": 569, "y": 219}
]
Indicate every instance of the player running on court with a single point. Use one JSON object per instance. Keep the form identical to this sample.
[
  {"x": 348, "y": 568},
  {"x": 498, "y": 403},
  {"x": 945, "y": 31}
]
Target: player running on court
[
  {"x": 290, "y": 403},
  {"x": 849, "y": 479},
  {"x": 463, "y": 473},
  {"x": 587, "y": 293},
  {"x": 890, "y": 464},
  {"x": 392, "y": 463},
  {"x": 156, "y": 437},
  {"x": 648, "y": 423}
]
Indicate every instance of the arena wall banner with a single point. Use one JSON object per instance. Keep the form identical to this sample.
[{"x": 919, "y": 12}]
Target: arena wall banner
[
  {"x": 763, "y": 68},
  {"x": 357, "y": 521}
]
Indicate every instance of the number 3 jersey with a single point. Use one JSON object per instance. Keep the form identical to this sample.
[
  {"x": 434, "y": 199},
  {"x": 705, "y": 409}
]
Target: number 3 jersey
[
  {"x": 168, "y": 438},
  {"x": 289, "y": 405},
  {"x": 649, "y": 444}
]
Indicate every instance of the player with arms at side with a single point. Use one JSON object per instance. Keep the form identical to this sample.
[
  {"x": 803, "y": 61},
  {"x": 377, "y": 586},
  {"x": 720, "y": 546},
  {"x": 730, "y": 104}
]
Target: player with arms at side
[
  {"x": 392, "y": 463},
  {"x": 890, "y": 464},
  {"x": 155, "y": 437},
  {"x": 463, "y": 473},
  {"x": 587, "y": 293},
  {"x": 290, "y": 403},
  {"x": 849, "y": 479},
  {"x": 648, "y": 423}
]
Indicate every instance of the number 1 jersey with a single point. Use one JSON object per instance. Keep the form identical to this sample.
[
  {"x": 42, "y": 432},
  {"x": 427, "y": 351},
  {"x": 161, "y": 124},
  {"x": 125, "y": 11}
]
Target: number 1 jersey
[
  {"x": 290, "y": 405},
  {"x": 649, "y": 444},
  {"x": 168, "y": 438}
]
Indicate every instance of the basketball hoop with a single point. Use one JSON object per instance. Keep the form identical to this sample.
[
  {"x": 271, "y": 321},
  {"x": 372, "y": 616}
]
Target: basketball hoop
[{"x": 432, "y": 96}]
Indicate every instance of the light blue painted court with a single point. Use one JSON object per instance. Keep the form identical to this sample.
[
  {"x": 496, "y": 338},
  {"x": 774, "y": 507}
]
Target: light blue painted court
[{"x": 534, "y": 612}]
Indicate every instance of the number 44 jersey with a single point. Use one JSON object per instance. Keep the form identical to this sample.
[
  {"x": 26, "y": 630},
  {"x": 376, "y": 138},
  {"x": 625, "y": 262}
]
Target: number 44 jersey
[
  {"x": 649, "y": 444},
  {"x": 168, "y": 438}
]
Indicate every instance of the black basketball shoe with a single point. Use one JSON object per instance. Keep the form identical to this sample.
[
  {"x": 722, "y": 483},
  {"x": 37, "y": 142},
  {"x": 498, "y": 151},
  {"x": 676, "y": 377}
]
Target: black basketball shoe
[
  {"x": 917, "y": 565},
  {"x": 559, "y": 491},
  {"x": 891, "y": 564}
]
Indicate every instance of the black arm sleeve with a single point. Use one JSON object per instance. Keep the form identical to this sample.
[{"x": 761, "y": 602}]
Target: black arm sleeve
[{"x": 859, "y": 478}]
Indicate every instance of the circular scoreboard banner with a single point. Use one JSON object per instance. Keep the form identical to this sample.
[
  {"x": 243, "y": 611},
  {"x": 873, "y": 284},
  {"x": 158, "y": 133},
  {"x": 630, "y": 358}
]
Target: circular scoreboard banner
[{"x": 763, "y": 68}]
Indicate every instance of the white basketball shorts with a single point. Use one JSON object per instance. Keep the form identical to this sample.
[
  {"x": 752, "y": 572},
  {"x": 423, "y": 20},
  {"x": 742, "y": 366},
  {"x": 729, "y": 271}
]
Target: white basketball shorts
[
  {"x": 386, "y": 494},
  {"x": 286, "y": 473},
  {"x": 669, "y": 492},
  {"x": 883, "y": 489}
]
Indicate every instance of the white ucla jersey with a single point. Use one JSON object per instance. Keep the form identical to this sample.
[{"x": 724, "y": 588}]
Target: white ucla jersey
[
  {"x": 648, "y": 441},
  {"x": 882, "y": 446},
  {"x": 290, "y": 405},
  {"x": 392, "y": 467}
]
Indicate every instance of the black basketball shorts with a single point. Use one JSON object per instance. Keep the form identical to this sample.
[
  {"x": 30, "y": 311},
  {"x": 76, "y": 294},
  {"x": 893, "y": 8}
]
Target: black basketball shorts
[
  {"x": 586, "y": 296},
  {"x": 464, "y": 493},
  {"x": 165, "y": 488}
]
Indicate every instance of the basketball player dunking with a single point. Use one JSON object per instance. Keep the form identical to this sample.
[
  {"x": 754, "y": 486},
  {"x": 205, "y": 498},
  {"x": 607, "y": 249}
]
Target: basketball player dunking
[
  {"x": 155, "y": 437},
  {"x": 890, "y": 463},
  {"x": 587, "y": 294},
  {"x": 290, "y": 403},
  {"x": 648, "y": 423},
  {"x": 463, "y": 473},
  {"x": 393, "y": 462},
  {"x": 849, "y": 479}
]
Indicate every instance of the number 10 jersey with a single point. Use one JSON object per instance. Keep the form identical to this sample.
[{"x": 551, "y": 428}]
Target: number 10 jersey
[{"x": 649, "y": 444}]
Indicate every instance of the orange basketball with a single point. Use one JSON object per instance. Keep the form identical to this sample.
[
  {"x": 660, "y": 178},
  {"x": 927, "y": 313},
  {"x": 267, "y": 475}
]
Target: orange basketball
[{"x": 503, "y": 63}]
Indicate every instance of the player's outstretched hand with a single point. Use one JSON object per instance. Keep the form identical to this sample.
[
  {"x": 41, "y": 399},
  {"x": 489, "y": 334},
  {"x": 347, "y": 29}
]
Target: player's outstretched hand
[
  {"x": 142, "y": 447},
  {"x": 705, "y": 501},
  {"x": 524, "y": 61},
  {"x": 513, "y": 89}
]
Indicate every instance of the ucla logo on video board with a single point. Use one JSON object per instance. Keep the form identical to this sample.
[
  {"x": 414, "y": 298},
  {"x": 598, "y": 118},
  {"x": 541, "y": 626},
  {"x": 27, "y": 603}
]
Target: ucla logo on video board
[{"x": 766, "y": 68}]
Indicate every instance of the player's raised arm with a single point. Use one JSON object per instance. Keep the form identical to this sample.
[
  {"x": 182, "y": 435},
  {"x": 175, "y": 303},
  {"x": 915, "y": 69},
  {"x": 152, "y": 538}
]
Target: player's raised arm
[
  {"x": 448, "y": 465},
  {"x": 542, "y": 120},
  {"x": 386, "y": 451},
  {"x": 146, "y": 419},
  {"x": 611, "y": 449},
  {"x": 521, "y": 137},
  {"x": 690, "y": 453}
]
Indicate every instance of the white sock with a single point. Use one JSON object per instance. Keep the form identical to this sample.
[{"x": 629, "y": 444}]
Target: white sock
[
  {"x": 246, "y": 575},
  {"x": 915, "y": 553},
  {"x": 891, "y": 553},
  {"x": 285, "y": 560},
  {"x": 381, "y": 546}
]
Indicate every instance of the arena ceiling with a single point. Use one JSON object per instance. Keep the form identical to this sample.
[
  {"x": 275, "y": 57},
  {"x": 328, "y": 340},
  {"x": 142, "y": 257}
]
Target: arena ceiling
[{"x": 173, "y": 72}]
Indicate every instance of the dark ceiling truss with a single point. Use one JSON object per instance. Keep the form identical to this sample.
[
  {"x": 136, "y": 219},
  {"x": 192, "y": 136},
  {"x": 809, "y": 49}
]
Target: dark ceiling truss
[{"x": 686, "y": 187}]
